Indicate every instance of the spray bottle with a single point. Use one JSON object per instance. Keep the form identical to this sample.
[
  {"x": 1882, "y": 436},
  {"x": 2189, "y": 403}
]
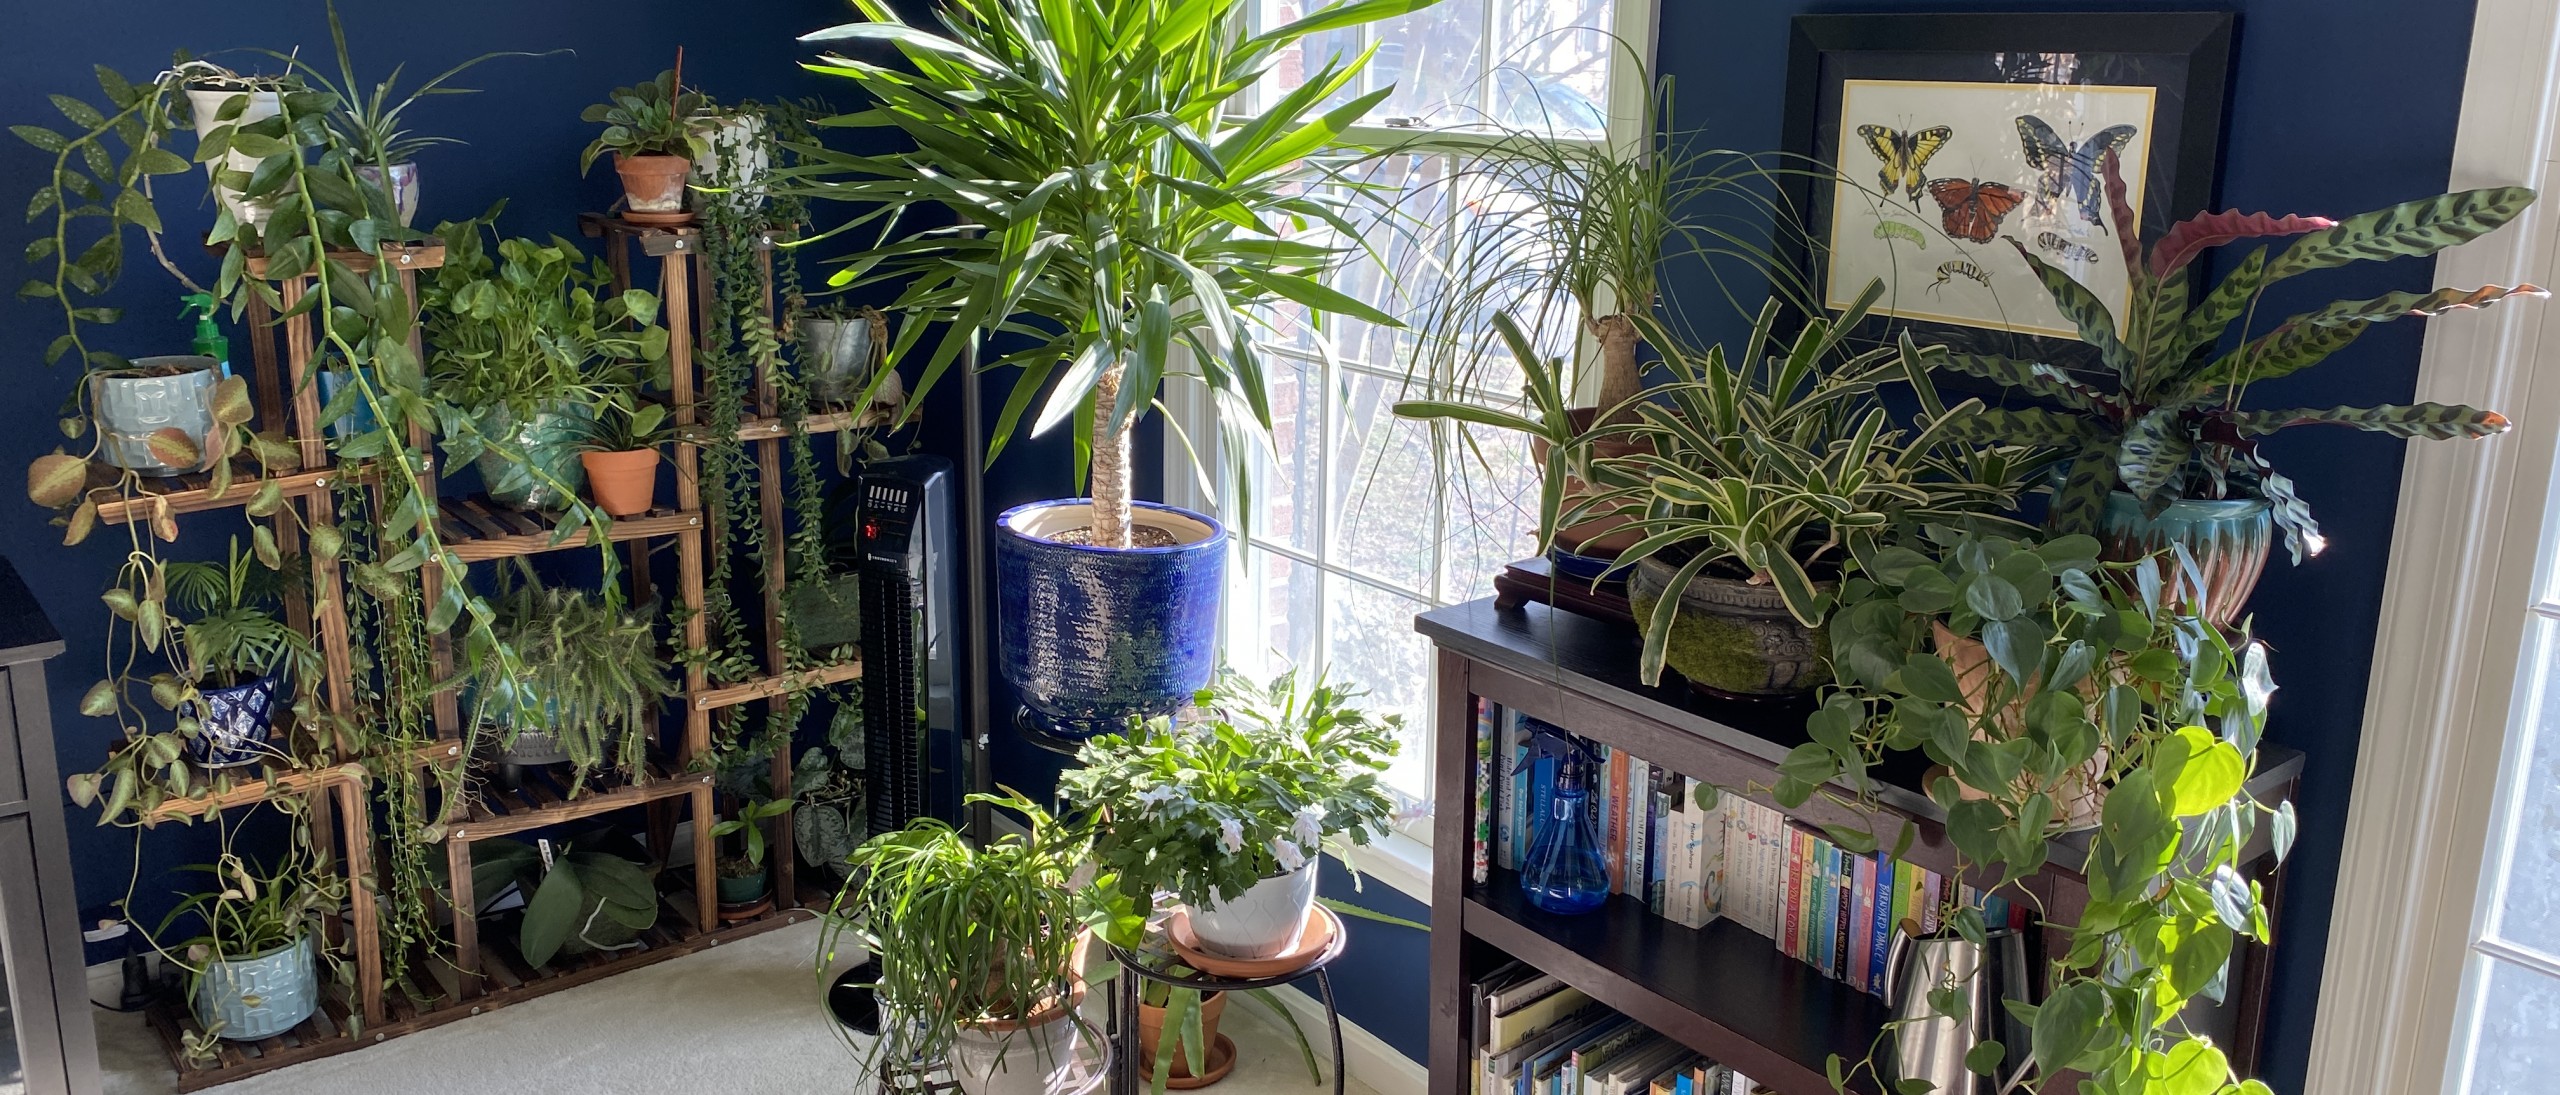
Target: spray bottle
[{"x": 209, "y": 341}]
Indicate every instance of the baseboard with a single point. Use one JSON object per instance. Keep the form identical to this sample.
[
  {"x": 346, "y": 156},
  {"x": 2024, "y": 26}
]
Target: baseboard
[
  {"x": 1367, "y": 1058},
  {"x": 106, "y": 983}
]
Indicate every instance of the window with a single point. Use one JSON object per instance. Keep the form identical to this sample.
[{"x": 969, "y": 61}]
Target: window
[{"x": 1356, "y": 520}]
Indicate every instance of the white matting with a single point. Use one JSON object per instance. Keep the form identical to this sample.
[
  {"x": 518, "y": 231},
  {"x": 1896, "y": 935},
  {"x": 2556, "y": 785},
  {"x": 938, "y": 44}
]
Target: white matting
[{"x": 739, "y": 1019}]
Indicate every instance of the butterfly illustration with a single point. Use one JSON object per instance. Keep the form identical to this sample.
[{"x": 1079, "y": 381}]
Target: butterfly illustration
[
  {"x": 1973, "y": 207},
  {"x": 1905, "y": 155},
  {"x": 2067, "y": 170}
]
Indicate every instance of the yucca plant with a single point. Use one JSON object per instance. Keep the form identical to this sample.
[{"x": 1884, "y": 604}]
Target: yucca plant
[
  {"x": 2171, "y": 424},
  {"x": 1114, "y": 200}
]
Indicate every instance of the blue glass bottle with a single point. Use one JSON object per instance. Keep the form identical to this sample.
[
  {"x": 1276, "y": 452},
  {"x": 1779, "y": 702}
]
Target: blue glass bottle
[{"x": 1562, "y": 873}]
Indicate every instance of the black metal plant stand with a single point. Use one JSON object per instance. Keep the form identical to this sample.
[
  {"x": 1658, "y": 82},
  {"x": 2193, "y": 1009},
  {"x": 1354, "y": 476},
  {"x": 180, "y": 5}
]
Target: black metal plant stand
[{"x": 1130, "y": 1078}]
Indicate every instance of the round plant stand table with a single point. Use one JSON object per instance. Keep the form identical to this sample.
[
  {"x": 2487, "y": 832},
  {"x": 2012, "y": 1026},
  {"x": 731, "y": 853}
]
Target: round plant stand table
[{"x": 1130, "y": 1078}]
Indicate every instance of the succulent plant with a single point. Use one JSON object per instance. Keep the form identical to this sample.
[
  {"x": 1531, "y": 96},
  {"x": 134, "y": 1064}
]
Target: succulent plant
[{"x": 2172, "y": 424}]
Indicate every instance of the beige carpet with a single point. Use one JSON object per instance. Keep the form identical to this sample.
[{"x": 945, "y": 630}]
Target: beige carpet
[{"x": 739, "y": 1019}]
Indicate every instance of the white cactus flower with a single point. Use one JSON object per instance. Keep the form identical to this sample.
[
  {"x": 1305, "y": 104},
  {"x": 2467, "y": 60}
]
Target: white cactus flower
[
  {"x": 1288, "y": 854},
  {"x": 1308, "y": 827},
  {"x": 1230, "y": 836}
]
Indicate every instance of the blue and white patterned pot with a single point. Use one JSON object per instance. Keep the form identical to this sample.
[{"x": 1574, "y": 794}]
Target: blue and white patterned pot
[
  {"x": 157, "y": 393},
  {"x": 1092, "y": 635},
  {"x": 261, "y": 996},
  {"x": 2228, "y": 538},
  {"x": 235, "y": 725}
]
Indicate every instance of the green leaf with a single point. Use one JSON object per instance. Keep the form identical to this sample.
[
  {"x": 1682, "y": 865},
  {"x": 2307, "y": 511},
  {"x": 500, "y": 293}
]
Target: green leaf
[
  {"x": 42, "y": 138},
  {"x": 2427, "y": 421},
  {"x": 2213, "y": 774},
  {"x": 100, "y": 700},
  {"x": 1994, "y": 598},
  {"x": 1984, "y": 1058},
  {"x": 551, "y": 916},
  {"x": 2191, "y": 1067},
  {"x": 2085, "y": 311},
  {"x": 2066, "y": 1023},
  {"x": 1929, "y": 677},
  {"x": 2410, "y": 229}
]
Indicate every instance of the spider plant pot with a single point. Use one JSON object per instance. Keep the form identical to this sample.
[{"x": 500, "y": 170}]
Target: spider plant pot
[
  {"x": 1265, "y": 921},
  {"x": 1733, "y": 639},
  {"x": 1090, "y": 636},
  {"x": 155, "y": 393},
  {"x": 206, "y": 104},
  {"x": 653, "y": 187},
  {"x": 837, "y": 356},
  {"x": 403, "y": 187},
  {"x": 2228, "y": 538},
  {"x": 737, "y": 163},
  {"x": 1213, "y": 1007},
  {"x": 549, "y": 441},
  {"x": 260, "y": 996},
  {"x": 235, "y": 725},
  {"x": 623, "y": 484},
  {"x": 1031, "y": 1057}
]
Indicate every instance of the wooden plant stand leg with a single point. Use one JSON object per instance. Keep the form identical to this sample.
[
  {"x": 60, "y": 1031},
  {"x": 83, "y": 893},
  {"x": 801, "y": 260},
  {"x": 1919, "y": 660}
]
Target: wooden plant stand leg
[
  {"x": 360, "y": 881},
  {"x": 466, "y": 920},
  {"x": 706, "y": 872}
]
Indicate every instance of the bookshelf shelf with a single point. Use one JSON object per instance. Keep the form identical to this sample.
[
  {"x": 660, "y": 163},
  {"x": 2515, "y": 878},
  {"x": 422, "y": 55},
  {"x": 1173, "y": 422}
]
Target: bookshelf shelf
[{"x": 1725, "y": 991}]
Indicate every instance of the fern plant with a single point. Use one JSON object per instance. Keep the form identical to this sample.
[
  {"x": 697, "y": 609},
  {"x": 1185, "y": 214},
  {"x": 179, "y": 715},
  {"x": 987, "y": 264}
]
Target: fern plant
[
  {"x": 2171, "y": 424},
  {"x": 233, "y": 635}
]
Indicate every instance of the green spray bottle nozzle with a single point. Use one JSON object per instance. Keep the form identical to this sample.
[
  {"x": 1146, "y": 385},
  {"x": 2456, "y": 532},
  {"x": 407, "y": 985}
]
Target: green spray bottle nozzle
[{"x": 209, "y": 340}]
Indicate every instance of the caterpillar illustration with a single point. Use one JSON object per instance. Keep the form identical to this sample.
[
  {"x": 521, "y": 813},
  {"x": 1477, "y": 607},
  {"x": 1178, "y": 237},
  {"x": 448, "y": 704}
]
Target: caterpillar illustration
[
  {"x": 2053, "y": 241},
  {"x": 1896, "y": 230},
  {"x": 1956, "y": 268}
]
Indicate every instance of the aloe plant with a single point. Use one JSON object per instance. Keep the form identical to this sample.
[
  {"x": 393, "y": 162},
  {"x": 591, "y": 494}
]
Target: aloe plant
[{"x": 2172, "y": 424}]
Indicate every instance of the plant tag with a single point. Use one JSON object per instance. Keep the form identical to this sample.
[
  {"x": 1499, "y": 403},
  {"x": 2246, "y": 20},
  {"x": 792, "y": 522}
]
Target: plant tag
[{"x": 544, "y": 843}]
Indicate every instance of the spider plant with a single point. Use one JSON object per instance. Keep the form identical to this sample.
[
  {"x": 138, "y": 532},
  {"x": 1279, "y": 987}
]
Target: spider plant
[
  {"x": 1115, "y": 198},
  {"x": 590, "y": 676},
  {"x": 369, "y": 125}
]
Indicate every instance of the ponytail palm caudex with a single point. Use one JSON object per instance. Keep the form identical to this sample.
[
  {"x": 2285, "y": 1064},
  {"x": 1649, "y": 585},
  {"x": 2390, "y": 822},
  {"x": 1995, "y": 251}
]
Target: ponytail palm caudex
[
  {"x": 1116, "y": 197},
  {"x": 2171, "y": 424}
]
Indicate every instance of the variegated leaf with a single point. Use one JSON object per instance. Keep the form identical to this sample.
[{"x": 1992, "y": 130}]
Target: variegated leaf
[
  {"x": 2205, "y": 322},
  {"x": 2301, "y": 534},
  {"x": 2391, "y": 306},
  {"x": 2086, "y": 312},
  {"x": 2026, "y": 376},
  {"x": 2081, "y": 503},
  {"x": 2194, "y": 235},
  {"x": 2024, "y": 426},
  {"x": 54, "y": 480},
  {"x": 2154, "y": 447},
  {"x": 2421, "y": 227},
  {"x": 2284, "y": 351},
  {"x": 2429, "y": 421}
]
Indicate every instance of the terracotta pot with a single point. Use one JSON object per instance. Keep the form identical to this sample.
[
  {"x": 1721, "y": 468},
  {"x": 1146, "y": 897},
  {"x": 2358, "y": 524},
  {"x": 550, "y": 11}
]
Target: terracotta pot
[
  {"x": 1151, "y": 1034},
  {"x": 624, "y": 483},
  {"x": 653, "y": 184},
  {"x": 2078, "y": 796}
]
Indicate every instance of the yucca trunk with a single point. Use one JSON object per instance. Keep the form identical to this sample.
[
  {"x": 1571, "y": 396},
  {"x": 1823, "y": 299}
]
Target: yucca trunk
[
  {"x": 1620, "y": 378},
  {"x": 1111, "y": 525}
]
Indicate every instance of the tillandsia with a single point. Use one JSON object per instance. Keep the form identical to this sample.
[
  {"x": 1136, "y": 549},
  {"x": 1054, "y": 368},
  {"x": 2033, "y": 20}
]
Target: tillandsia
[
  {"x": 2056, "y": 693},
  {"x": 2170, "y": 423}
]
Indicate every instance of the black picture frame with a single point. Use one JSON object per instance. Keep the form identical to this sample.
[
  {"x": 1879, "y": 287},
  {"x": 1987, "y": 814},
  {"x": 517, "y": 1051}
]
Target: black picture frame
[{"x": 2184, "y": 56}]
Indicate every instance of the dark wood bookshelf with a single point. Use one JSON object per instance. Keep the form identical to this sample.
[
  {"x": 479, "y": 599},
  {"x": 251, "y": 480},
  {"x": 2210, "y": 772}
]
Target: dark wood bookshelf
[{"x": 1723, "y": 990}]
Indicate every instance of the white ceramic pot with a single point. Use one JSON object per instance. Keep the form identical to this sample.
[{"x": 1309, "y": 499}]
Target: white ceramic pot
[
  {"x": 404, "y": 187},
  {"x": 735, "y": 139},
  {"x": 1262, "y": 922},
  {"x": 1032, "y": 1060},
  {"x": 206, "y": 104}
]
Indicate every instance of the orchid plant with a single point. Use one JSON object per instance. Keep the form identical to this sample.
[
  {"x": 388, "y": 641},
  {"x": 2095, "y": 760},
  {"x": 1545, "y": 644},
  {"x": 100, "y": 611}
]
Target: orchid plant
[{"x": 1273, "y": 776}]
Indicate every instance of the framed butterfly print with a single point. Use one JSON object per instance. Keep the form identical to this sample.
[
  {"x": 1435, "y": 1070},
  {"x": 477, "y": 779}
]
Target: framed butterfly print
[{"x": 1947, "y": 142}]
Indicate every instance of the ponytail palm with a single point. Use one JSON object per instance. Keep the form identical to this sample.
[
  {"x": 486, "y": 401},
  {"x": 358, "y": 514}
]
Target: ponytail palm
[{"x": 1114, "y": 200}]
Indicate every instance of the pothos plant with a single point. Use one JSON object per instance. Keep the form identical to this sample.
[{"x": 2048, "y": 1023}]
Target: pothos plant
[
  {"x": 2169, "y": 421},
  {"x": 2057, "y": 693}
]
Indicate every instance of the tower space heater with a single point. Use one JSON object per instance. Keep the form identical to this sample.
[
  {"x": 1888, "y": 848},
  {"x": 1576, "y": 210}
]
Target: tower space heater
[{"x": 918, "y": 761}]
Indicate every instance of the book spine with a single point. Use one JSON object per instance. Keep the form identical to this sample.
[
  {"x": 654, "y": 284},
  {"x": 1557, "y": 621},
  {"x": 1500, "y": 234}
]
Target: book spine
[
  {"x": 1880, "y": 926},
  {"x": 1714, "y": 868},
  {"x": 1481, "y": 855},
  {"x": 1633, "y": 805},
  {"x": 1862, "y": 909},
  {"x": 1817, "y": 944},
  {"x": 1506, "y": 782},
  {"x": 1657, "y": 862},
  {"x": 1933, "y": 898},
  {"x": 1613, "y": 822},
  {"x": 1789, "y": 915},
  {"x": 1846, "y": 907}
]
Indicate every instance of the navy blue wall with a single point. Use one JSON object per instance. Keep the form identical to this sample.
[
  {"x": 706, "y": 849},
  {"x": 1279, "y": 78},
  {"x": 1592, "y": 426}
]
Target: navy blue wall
[
  {"x": 2337, "y": 106},
  {"x": 524, "y": 136}
]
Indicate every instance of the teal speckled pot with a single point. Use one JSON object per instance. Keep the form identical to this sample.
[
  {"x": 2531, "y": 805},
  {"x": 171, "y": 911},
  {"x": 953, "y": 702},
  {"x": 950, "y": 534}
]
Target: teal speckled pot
[
  {"x": 260, "y": 996},
  {"x": 2228, "y": 538},
  {"x": 549, "y": 440}
]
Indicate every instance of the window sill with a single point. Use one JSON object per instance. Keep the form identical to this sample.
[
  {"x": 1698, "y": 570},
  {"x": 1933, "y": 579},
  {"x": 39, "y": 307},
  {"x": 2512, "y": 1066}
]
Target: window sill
[{"x": 1400, "y": 861}]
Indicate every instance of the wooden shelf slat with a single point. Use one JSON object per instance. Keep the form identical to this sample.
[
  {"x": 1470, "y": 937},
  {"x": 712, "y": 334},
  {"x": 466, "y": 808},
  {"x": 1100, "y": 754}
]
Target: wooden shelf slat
[
  {"x": 478, "y": 532},
  {"x": 423, "y": 255},
  {"x": 256, "y": 791},
  {"x": 769, "y": 687},
  {"x": 193, "y": 492},
  {"x": 485, "y": 823}
]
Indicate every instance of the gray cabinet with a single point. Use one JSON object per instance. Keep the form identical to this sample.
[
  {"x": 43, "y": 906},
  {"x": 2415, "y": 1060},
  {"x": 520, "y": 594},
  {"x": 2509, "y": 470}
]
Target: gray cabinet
[{"x": 50, "y": 1042}]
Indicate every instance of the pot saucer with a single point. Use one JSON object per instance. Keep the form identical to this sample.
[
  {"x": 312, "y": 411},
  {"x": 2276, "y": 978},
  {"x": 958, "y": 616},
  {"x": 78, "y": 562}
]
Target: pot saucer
[
  {"x": 657, "y": 220},
  {"x": 1318, "y": 938},
  {"x": 1222, "y": 1060}
]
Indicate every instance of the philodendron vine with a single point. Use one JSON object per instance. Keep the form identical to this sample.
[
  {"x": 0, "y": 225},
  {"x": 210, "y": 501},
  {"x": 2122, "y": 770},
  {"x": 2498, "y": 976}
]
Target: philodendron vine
[{"x": 2039, "y": 680}]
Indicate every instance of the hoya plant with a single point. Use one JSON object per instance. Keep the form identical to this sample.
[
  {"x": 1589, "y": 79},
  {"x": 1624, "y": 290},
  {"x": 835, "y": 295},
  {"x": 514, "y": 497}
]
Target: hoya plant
[
  {"x": 2057, "y": 693},
  {"x": 2171, "y": 420}
]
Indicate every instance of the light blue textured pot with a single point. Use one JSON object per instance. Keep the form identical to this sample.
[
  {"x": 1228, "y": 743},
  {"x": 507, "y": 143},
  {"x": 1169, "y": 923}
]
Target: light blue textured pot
[
  {"x": 1090, "y": 636},
  {"x": 260, "y": 996},
  {"x": 549, "y": 440},
  {"x": 356, "y": 421},
  {"x": 157, "y": 393},
  {"x": 2228, "y": 538},
  {"x": 235, "y": 726}
]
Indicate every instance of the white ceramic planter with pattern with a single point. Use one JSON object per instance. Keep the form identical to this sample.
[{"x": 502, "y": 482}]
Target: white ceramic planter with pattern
[{"x": 1265, "y": 921}]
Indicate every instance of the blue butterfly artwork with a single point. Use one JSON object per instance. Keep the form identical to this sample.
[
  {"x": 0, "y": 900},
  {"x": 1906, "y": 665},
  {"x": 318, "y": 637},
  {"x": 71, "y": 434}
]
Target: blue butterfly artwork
[{"x": 2067, "y": 171}]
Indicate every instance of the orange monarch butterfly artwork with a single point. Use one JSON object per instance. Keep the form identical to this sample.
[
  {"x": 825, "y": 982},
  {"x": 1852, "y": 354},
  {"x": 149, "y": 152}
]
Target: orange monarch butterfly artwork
[{"x": 1974, "y": 208}]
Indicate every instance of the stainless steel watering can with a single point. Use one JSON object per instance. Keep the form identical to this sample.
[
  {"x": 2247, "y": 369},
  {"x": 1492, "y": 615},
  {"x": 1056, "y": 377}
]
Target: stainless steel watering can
[{"x": 1931, "y": 1046}]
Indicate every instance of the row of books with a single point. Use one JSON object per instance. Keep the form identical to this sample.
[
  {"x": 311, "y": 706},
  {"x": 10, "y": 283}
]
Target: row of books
[
  {"x": 1692, "y": 853},
  {"x": 1536, "y": 1035}
]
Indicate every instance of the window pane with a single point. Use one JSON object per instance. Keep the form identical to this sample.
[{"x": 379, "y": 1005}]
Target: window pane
[
  {"x": 1274, "y": 615},
  {"x": 1435, "y": 59},
  {"x": 1386, "y": 501},
  {"x": 1552, "y": 72},
  {"x": 2527, "y": 908},
  {"x": 1492, "y": 499},
  {"x": 2515, "y": 1049},
  {"x": 1288, "y": 481},
  {"x": 1370, "y": 642}
]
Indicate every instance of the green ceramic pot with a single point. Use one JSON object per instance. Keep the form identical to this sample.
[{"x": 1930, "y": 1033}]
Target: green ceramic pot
[
  {"x": 1731, "y": 638},
  {"x": 549, "y": 440},
  {"x": 2229, "y": 539}
]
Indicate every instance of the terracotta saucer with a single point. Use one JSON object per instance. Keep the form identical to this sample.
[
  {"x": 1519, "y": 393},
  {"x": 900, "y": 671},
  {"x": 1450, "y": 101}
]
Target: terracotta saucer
[
  {"x": 1322, "y": 926},
  {"x": 657, "y": 220},
  {"x": 1222, "y": 1060}
]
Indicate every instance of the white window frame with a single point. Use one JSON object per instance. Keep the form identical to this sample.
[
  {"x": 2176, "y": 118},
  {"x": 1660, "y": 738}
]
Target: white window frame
[
  {"x": 2448, "y": 681},
  {"x": 1403, "y": 861}
]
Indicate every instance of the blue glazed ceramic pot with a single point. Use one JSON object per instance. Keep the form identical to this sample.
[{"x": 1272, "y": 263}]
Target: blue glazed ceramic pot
[
  {"x": 260, "y": 996},
  {"x": 1090, "y": 635},
  {"x": 234, "y": 725},
  {"x": 2228, "y": 538}
]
